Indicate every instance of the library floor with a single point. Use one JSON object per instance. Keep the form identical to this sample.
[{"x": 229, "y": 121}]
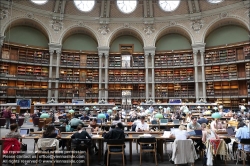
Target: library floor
[{"x": 116, "y": 160}]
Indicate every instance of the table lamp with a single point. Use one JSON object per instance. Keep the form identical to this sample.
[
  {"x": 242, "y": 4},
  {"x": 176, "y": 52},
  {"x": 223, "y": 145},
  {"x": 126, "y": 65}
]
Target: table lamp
[
  {"x": 71, "y": 112},
  {"x": 109, "y": 112},
  {"x": 216, "y": 115},
  {"x": 242, "y": 108},
  {"x": 159, "y": 116},
  {"x": 101, "y": 116},
  {"x": 215, "y": 108}
]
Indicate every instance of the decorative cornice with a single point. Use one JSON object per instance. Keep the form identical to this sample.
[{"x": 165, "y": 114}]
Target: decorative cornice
[
  {"x": 3, "y": 14},
  {"x": 150, "y": 50},
  {"x": 104, "y": 29},
  {"x": 198, "y": 47},
  {"x": 55, "y": 47},
  {"x": 103, "y": 50},
  {"x": 149, "y": 29}
]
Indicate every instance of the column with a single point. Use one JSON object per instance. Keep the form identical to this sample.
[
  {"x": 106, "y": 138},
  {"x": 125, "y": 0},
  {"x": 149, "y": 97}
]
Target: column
[
  {"x": 106, "y": 76},
  {"x": 1, "y": 42},
  {"x": 146, "y": 74},
  {"x": 51, "y": 52},
  {"x": 149, "y": 50},
  {"x": 196, "y": 76},
  {"x": 153, "y": 76},
  {"x": 203, "y": 76},
  {"x": 58, "y": 57},
  {"x": 100, "y": 77},
  {"x": 103, "y": 50}
]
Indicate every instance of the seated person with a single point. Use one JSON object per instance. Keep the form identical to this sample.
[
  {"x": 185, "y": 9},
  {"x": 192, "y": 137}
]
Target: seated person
[
  {"x": 13, "y": 132},
  {"x": 242, "y": 133},
  {"x": 188, "y": 118},
  {"x": 207, "y": 133},
  {"x": 193, "y": 125},
  {"x": 180, "y": 134},
  {"x": 75, "y": 122},
  {"x": 117, "y": 133},
  {"x": 116, "y": 120},
  {"x": 64, "y": 119},
  {"x": 216, "y": 125},
  {"x": 84, "y": 117},
  {"x": 94, "y": 125},
  {"x": 142, "y": 126},
  {"x": 234, "y": 117},
  {"x": 51, "y": 132}
]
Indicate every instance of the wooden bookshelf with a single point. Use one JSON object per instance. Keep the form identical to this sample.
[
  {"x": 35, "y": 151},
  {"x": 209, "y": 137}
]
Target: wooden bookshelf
[
  {"x": 138, "y": 61},
  {"x": 31, "y": 89},
  {"x": 248, "y": 88},
  {"x": 220, "y": 56},
  {"x": 37, "y": 71},
  {"x": 165, "y": 60},
  {"x": 92, "y": 61},
  {"x": 4, "y": 68},
  {"x": 115, "y": 61},
  {"x": 67, "y": 74},
  {"x": 246, "y": 51},
  {"x": 169, "y": 75},
  {"x": 70, "y": 59},
  {"x": 247, "y": 69},
  {"x": 72, "y": 90},
  {"x": 3, "y": 88},
  {"x": 224, "y": 88},
  {"x": 174, "y": 90},
  {"x": 221, "y": 72},
  {"x": 126, "y": 75},
  {"x": 92, "y": 75}
]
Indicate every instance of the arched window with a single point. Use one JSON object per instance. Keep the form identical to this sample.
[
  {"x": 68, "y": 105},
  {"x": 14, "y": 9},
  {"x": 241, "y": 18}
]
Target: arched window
[
  {"x": 39, "y": 2},
  {"x": 84, "y": 5},
  {"x": 126, "y": 6},
  {"x": 169, "y": 6},
  {"x": 214, "y": 1}
]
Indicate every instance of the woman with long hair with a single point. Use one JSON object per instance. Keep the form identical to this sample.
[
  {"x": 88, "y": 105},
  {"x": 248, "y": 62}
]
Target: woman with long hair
[{"x": 207, "y": 133}]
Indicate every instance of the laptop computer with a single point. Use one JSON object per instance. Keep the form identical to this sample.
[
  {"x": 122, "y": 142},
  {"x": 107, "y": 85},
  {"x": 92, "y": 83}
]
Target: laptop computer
[
  {"x": 164, "y": 121},
  {"x": 24, "y": 132},
  {"x": 198, "y": 133},
  {"x": 230, "y": 131},
  {"x": 192, "y": 133},
  {"x": 176, "y": 121}
]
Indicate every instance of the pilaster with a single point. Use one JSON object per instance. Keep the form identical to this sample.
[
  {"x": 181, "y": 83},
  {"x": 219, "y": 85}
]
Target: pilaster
[{"x": 1, "y": 42}]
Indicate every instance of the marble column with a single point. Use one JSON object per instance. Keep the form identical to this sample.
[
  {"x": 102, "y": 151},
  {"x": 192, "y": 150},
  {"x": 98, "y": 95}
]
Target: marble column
[{"x": 58, "y": 58}]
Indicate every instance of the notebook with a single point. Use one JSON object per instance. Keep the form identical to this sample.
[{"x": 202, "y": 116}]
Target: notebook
[
  {"x": 24, "y": 132},
  {"x": 164, "y": 121},
  {"x": 230, "y": 131},
  {"x": 176, "y": 121},
  {"x": 198, "y": 133}
]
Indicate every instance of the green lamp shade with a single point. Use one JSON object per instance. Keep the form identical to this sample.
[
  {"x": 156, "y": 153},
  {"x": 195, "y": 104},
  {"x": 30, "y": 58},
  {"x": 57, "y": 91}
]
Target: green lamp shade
[
  {"x": 146, "y": 111},
  {"x": 117, "y": 107},
  {"x": 44, "y": 115},
  {"x": 160, "y": 107},
  {"x": 168, "y": 108},
  {"x": 114, "y": 108},
  {"x": 71, "y": 111},
  {"x": 199, "y": 107},
  {"x": 186, "y": 110},
  {"x": 160, "y": 116},
  {"x": 141, "y": 108},
  {"x": 216, "y": 115},
  {"x": 101, "y": 116},
  {"x": 109, "y": 111},
  {"x": 94, "y": 107},
  {"x": 221, "y": 106},
  {"x": 86, "y": 108},
  {"x": 215, "y": 108}
]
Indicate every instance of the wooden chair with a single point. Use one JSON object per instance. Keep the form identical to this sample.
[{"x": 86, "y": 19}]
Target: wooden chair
[
  {"x": 242, "y": 151},
  {"x": 147, "y": 145},
  {"x": 81, "y": 146},
  {"x": 115, "y": 147}
]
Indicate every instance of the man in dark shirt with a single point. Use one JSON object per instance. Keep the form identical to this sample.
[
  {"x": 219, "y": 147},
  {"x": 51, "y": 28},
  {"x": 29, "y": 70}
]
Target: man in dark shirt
[
  {"x": 84, "y": 117},
  {"x": 202, "y": 119},
  {"x": 116, "y": 133}
]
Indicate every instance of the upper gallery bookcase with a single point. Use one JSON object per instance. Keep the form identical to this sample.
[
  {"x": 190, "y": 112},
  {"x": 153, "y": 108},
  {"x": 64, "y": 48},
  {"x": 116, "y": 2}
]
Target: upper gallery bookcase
[{"x": 171, "y": 60}]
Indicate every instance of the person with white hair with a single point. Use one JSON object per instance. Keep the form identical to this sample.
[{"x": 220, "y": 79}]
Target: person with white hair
[{"x": 180, "y": 134}]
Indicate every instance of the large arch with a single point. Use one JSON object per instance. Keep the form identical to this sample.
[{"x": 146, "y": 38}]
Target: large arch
[
  {"x": 126, "y": 31},
  {"x": 27, "y": 22},
  {"x": 76, "y": 30},
  {"x": 174, "y": 29},
  {"x": 223, "y": 22}
]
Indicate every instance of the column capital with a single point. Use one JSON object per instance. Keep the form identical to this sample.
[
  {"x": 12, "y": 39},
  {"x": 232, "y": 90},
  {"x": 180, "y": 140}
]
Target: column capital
[
  {"x": 55, "y": 47},
  {"x": 198, "y": 47},
  {"x": 149, "y": 50},
  {"x": 1, "y": 40},
  {"x": 103, "y": 50}
]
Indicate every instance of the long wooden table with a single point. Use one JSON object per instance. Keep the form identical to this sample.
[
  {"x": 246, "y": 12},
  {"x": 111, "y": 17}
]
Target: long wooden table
[{"x": 129, "y": 138}]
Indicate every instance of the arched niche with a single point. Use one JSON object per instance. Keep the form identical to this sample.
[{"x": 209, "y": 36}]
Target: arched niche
[
  {"x": 226, "y": 35},
  {"x": 26, "y": 35},
  {"x": 126, "y": 39},
  {"x": 173, "y": 41},
  {"x": 80, "y": 42}
]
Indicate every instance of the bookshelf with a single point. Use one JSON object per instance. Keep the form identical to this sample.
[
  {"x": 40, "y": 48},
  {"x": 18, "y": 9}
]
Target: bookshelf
[
  {"x": 24, "y": 70},
  {"x": 246, "y": 51},
  {"x": 221, "y": 72},
  {"x": 247, "y": 69},
  {"x": 67, "y": 74},
  {"x": 92, "y": 61},
  {"x": 248, "y": 87},
  {"x": 220, "y": 56},
  {"x": 70, "y": 59},
  {"x": 138, "y": 61},
  {"x": 29, "y": 89},
  {"x": 126, "y": 75},
  {"x": 223, "y": 88},
  {"x": 172, "y": 75},
  {"x": 92, "y": 75},
  {"x": 175, "y": 90},
  {"x": 31, "y": 55},
  {"x": 165, "y": 60},
  {"x": 4, "y": 68},
  {"x": 115, "y": 60}
]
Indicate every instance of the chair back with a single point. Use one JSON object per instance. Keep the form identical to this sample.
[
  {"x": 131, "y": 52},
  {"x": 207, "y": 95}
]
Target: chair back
[
  {"x": 147, "y": 140},
  {"x": 115, "y": 142},
  {"x": 62, "y": 128},
  {"x": 245, "y": 141},
  {"x": 47, "y": 143}
]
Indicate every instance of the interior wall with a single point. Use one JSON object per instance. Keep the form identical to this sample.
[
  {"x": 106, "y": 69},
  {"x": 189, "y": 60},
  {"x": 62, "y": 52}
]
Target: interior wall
[
  {"x": 80, "y": 42},
  {"x": 26, "y": 35},
  {"x": 227, "y": 35},
  {"x": 173, "y": 42},
  {"x": 115, "y": 45}
]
